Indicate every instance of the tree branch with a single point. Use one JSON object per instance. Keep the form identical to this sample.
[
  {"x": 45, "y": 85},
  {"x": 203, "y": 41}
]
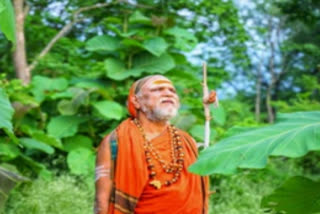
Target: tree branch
[{"x": 66, "y": 30}]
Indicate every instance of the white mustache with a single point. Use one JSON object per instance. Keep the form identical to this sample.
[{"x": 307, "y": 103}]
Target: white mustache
[{"x": 168, "y": 100}]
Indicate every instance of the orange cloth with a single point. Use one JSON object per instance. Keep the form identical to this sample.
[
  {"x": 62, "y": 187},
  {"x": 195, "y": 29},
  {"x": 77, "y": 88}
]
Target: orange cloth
[{"x": 131, "y": 191}]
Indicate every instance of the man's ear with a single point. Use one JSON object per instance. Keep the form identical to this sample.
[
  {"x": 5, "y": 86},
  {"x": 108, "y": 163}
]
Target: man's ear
[{"x": 135, "y": 102}]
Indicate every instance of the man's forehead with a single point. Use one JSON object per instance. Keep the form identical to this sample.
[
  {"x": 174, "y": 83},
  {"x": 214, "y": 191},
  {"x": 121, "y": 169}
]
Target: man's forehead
[{"x": 159, "y": 81}]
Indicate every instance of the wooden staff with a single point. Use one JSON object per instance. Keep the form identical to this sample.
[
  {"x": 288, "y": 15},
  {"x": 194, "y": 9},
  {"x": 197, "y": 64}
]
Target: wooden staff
[{"x": 206, "y": 106}]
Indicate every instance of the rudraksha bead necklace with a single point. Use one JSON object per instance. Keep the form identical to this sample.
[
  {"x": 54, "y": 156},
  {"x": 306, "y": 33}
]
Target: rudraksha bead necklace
[{"x": 175, "y": 166}]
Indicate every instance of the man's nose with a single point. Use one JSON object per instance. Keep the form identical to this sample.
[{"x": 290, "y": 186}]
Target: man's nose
[{"x": 168, "y": 92}]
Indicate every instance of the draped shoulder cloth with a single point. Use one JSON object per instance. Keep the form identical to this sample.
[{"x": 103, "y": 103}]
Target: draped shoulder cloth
[{"x": 131, "y": 192}]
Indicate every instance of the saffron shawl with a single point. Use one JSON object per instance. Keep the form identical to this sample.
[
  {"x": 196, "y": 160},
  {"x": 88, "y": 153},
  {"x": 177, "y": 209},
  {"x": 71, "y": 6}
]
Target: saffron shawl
[{"x": 130, "y": 192}]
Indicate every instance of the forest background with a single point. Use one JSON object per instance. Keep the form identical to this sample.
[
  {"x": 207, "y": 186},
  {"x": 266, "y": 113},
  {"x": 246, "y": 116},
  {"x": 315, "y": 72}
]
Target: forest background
[{"x": 66, "y": 68}]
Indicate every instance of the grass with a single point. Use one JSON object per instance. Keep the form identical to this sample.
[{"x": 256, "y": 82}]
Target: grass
[{"x": 63, "y": 195}]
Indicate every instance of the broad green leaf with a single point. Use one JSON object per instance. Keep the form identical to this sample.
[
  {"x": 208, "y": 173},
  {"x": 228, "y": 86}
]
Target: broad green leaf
[
  {"x": 102, "y": 43},
  {"x": 184, "y": 40},
  {"x": 7, "y": 20},
  {"x": 218, "y": 114},
  {"x": 115, "y": 69},
  {"x": 296, "y": 196},
  {"x": 43, "y": 86},
  {"x": 2, "y": 5},
  {"x": 70, "y": 107},
  {"x": 138, "y": 17},
  {"x": 49, "y": 140},
  {"x": 81, "y": 161},
  {"x": 197, "y": 132},
  {"x": 157, "y": 45},
  {"x": 34, "y": 144},
  {"x": 8, "y": 151},
  {"x": 6, "y": 112},
  {"x": 151, "y": 64},
  {"x": 144, "y": 63},
  {"x": 132, "y": 43},
  {"x": 64, "y": 126},
  {"x": 109, "y": 109},
  {"x": 77, "y": 141},
  {"x": 293, "y": 136},
  {"x": 8, "y": 180}
]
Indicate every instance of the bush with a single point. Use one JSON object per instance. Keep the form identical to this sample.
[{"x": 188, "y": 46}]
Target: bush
[
  {"x": 62, "y": 195},
  {"x": 242, "y": 193}
]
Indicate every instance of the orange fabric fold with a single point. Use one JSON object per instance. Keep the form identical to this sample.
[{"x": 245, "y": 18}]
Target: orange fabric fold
[{"x": 131, "y": 190}]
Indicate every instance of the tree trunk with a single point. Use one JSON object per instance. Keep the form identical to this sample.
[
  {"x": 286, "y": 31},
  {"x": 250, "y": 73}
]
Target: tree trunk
[
  {"x": 20, "y": 58},
  {"x": 272, "y": 74},
  {"x": 258, "y": 92}
]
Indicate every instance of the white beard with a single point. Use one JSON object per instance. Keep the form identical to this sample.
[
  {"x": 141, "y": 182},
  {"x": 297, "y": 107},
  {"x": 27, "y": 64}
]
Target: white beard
[{"x": 159, "y": 113}]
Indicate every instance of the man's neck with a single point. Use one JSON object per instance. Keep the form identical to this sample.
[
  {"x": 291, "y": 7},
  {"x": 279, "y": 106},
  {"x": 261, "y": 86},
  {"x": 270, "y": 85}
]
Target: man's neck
[{"x": 152, "y": 128}]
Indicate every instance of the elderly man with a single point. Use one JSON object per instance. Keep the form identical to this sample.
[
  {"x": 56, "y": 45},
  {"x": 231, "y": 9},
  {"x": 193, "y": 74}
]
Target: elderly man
[{"x": 142, "y": 165}]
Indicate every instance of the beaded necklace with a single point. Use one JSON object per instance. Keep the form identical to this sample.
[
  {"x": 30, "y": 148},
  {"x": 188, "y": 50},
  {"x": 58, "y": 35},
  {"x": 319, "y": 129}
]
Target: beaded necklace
[{"x": 174, "y": 167}]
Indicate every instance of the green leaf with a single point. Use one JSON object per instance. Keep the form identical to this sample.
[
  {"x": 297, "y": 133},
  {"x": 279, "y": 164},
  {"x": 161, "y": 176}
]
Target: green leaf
[
  {"x": 138, "y": 17},
  {"x": 64, "y": 126},
  {"x": 7, "y": 20},
  {"x": 115, "y": 69},
  {"x": 109, "y": 109},
  {"x": 184, "y": 40},
  {"x": 132, "y": 43},
  {"x": 219, "y": 116},
  {"x": 8, "y": 151},
  {"x": 144, "y": 63},
  {"x": 49, "y": 140},
  {"x": 297, "y": 195},
  {"x": 103, "y": 43},
  {"x": 42, "y": 86},
  {"x": 151, "y": 64},
  {"x": 34, "y": 144},
  {"x": 157, "y": 45},
  {"x": 6, "y": 111},
  {"x": 293, "y": 136},
  {"x": 77, "y": 141},
  {"x": 197, "y": 132},
  {"x": 81, "y": 161}
]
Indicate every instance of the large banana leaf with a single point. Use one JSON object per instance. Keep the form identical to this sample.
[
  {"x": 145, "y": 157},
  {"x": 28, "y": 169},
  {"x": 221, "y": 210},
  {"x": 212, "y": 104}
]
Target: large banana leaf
[
  {"x": 293, "y": 135},
  {"x": 297, "y": 195}
]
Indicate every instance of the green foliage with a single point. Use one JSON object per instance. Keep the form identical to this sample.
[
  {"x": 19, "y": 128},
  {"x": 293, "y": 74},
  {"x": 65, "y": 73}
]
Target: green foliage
[
  {"x": 102, "y": 43},
  {"x": 6, "y": 111},
  {"x": 81, "y": 161},
  {"x": 64, "y": 126},
  {"x": 242, "y": 193},
  {"x": 37, "y": 145},
  {"x": 297, "y": 195},
  {"x": 63, "y": 194},
  {"x": 292, "y": 136},
  {"x": 7, "y": 20},
  {"x": 109, "y": 109},
  {"x": 8, "y": 180}
]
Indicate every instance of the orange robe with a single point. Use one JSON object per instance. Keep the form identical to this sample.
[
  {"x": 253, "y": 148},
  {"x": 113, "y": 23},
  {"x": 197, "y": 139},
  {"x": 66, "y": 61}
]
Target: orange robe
[{"x": 131, "y": 192}]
